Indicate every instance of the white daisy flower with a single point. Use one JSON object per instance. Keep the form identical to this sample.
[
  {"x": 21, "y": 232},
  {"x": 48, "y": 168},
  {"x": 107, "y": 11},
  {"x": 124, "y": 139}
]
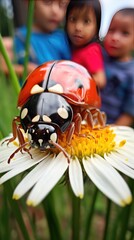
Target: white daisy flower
[{"x": 99, "y": 155}]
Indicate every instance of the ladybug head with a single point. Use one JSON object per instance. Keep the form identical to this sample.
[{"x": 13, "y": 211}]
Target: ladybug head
[{"x": 42, "y": 136}]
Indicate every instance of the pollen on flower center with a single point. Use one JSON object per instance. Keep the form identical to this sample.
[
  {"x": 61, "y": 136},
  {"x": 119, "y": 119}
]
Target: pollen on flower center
[
  {"x": 87, "y": 143},
  {"x": 90, "y": 142}
]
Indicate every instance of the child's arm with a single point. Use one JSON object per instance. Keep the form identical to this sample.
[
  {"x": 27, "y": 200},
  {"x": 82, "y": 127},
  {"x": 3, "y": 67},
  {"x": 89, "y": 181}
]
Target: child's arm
[
  {"x": 125, "y": 120},
  {"x": 17, "y": 67},
  {"x": 94, "y": 63},
  {"x": 8, "y": 43},
  {"x": 100, "y": 78}
]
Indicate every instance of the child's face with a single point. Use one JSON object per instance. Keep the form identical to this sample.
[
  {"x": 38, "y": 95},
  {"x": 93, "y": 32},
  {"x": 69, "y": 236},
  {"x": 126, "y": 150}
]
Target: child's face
[
  {"x": 81, "y": 26},
  {"x": 119, "y": 41},
  {"x": 49, "y": 14}
]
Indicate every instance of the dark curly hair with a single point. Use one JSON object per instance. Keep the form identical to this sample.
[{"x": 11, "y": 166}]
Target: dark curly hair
[{"x": 79, "y": 4}]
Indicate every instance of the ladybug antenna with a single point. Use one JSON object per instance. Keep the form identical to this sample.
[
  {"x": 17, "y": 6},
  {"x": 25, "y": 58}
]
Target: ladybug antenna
[{"x": 60, "y": 148}]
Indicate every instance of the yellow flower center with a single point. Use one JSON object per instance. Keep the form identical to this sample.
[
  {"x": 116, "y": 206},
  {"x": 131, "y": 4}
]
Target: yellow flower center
[{"x": 89, "y": 142}]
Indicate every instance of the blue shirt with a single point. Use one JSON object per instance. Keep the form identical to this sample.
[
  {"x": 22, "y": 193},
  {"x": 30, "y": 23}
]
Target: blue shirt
[
  {"x": 43, "y": 46},
  {"x": 118, "y": 95}
]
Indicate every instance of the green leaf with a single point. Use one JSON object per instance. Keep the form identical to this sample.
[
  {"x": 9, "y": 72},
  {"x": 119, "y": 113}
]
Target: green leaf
[{"x": 12, "y": 73}]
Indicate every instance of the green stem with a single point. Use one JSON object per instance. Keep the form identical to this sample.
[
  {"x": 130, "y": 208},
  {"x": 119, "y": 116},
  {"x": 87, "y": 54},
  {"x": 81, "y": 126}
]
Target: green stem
[
  {"x": 4, "y": 218},
  {"x": 13, "y": 75},
  {"x": 126, "y": 216},
  {"x": 75, "y": 217},
  {"x": 16, "y": 210},
  {"x": 132, "y": 236},
  {"x": 115, "y": 226},
  {"x": 52, "y": 220},
  {"x": 1, "y": 135},
  {"x": 122, "y": 219},
  {"x": 32, "y": 220},
  {"x": 107, "y": 219},
  {"x": 28, "y": 35},
  {"x": 90, "y": 215},
  {"x": 124, "y": 222}
]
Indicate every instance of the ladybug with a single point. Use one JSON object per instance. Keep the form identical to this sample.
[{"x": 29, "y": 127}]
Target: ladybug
[
  {"x": 56, "y": 97},
  {"x": 66, "y": 78},
  {"x": 43, "y": 116}
]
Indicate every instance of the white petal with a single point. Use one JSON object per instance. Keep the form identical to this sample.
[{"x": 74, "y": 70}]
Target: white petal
[
  {"x": 76, "y": 178},
  {"x": 21, "y": 168},
  {"x": 124, "y": 157},
  {"x": 123, "y": 132},
  {"x": 122, "y": 129},
  {"x": 31, "y": 178},
  {"x": 127, "y": 153},
  {"x": 51, "y": 176},
  {"x": 108, "y": 180},
  {"x": 119, "y": 164},
  {"x": 5, "y": 152},
  {"x": 21, "y": 159},
  {"x": 129, "y": 139},
  {"x": 2, "y": 142}
]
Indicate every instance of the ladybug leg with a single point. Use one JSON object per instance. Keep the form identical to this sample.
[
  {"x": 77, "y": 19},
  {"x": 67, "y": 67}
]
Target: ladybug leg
[
  {"x": 94, "y": 117},
  {"x": 22, "y": 147},
  {"x": 17, "y": 150},
  {"x": 75, "y": 127},
  {"x": 77, "y": 121},
  {"x": 17, "y": 133},
  {"x": 86, "y": 115},
  {"x": 22, "y": 144},
  {"x": 20, "y": 138},
  {"x": 70, "y": 133},
  {"x": 99, "y": 118},
  {"x": 104, "y": 116},
  {"x": 61, "y": 149},
  {"x": 15, "y": 127}
]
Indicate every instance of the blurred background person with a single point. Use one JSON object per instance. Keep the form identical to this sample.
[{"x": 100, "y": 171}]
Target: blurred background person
[
  {"x": 47, "y": 41},
  {"x": 82, "y": 25},
  {"x": 118, "y": 95}
]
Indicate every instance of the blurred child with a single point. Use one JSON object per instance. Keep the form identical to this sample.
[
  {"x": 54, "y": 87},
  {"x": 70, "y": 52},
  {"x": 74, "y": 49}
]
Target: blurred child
[
  {"x": 47, "y": 41},
  {"x": 118, "y": 95},
  {"x": 82, "y": 25},
  {"x": 8, "y": 44}
]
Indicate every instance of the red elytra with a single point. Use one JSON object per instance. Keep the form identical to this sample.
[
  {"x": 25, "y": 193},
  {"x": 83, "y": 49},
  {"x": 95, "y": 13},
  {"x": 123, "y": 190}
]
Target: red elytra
[{"x": 72, "y": 80}]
